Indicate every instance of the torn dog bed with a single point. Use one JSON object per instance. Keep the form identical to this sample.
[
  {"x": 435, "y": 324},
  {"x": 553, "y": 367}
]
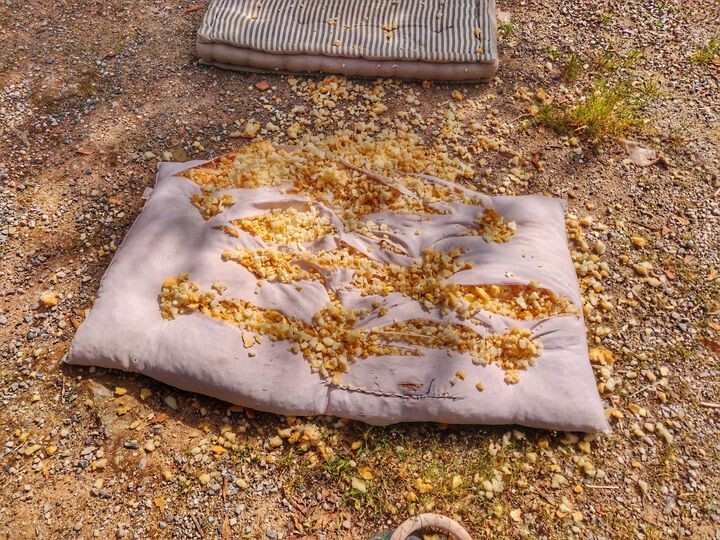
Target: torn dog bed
[
  {"x": 451, "y": 40},
  {"x": 316, "y": 280}
]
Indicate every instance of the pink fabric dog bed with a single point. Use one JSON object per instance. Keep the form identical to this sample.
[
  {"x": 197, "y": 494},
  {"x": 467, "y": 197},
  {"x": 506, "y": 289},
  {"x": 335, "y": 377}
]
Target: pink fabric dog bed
[{"x": 243, "y": 342}]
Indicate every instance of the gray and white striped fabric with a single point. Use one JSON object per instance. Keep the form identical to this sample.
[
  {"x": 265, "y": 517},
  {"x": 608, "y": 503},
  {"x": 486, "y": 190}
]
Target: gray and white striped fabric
[{"x": 448, "y": 31}]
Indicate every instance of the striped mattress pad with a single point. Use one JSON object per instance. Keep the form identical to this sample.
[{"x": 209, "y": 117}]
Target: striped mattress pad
[{"x": 418, "y": 35}]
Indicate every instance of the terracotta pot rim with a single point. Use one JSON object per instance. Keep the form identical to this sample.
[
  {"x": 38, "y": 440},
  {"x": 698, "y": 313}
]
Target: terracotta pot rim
[{"x": 434, "y": 522}]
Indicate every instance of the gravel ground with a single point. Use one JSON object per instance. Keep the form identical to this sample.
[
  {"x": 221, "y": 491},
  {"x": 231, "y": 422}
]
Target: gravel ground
[{"x": 93, "y": 94}]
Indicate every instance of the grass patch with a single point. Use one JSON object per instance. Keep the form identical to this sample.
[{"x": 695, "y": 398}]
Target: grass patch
[
  {"x": 708, "y": 296},
  {"x": 571, "y": 68},
  {"x": 663, "y": 471},
  {"x": 607, "y": 112},
  {"x": 707, "y": 54},
  {"x": 411, "y": 470},
  {"x": 506, "y": 29},
  {"x": 553, "y": 54},
  {"x": 610, "y": 61},
  {"x": 342, "y": 469},
  {"x": 570, "y": 65}
]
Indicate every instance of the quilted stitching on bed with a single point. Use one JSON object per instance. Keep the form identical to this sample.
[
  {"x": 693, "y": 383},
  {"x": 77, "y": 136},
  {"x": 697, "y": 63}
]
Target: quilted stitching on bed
[{"x": 427, "y": 30}]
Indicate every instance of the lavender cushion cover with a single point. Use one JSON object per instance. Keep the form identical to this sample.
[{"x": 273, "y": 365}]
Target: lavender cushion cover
[{"x": 125, "y": 329}]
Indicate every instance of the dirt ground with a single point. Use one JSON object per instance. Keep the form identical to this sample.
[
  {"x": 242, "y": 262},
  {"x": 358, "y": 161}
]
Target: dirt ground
[{"x": 94, "y": 93}]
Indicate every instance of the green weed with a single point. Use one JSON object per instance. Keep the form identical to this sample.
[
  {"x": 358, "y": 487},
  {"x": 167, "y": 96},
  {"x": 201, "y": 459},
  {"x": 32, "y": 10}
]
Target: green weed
[
  {"x": 606, "y": 112},
  {"x": 572, "y": 68},
  {"x": 506, "y": 29},
  {"x": 611, "y": 61},
  {"x": 707, "y": 54}
]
